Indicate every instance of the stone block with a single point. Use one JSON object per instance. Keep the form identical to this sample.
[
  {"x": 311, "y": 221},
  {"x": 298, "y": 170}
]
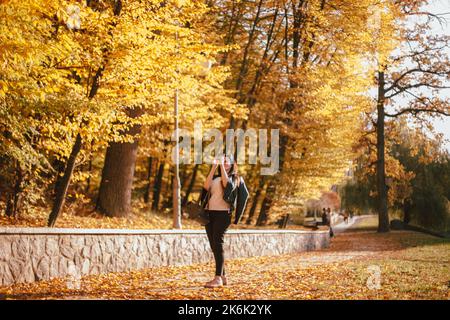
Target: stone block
[
  {"x": 5, "y": 250},
  {"x": 51, "y": 245},
  {"x": 6, "y": 276},
  {"x": 19, "y": 248}
]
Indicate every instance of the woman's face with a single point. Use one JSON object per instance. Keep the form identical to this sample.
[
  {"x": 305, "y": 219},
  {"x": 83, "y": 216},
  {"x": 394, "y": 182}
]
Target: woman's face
[{"x": 227, "y": 163}]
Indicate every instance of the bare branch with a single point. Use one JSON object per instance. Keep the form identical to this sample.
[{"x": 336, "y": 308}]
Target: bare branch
[
  {"x": 414, "y": 86},
  {"x": 415, "y": 111}
]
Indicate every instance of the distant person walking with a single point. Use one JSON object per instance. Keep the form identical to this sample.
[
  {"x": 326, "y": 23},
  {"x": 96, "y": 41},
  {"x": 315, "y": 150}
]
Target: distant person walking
[
  {"x": 329, "y": 222},
  {"x": 324, "y": 217},
  {"x": 351, "y": 214},
  {"x": 346, "y": 217}
]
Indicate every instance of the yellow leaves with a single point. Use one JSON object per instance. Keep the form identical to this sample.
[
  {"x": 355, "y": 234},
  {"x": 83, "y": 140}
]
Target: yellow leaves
[
  {"x": 51, "y": 70},
  {"x": 3, "y": 88},
  {"x": 79, "y": 215},
  {"x": 179, "y": 3}
]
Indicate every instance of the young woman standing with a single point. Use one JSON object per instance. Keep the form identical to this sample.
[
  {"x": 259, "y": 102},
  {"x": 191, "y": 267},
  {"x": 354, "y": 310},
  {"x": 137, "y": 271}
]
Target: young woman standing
[{"x": 219, "y": 206}]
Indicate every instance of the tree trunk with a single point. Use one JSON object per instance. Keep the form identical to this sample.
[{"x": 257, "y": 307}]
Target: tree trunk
[
  {"x": 184, "y": 173},
  {"x": 63, "y": 184},
  {"x": 157, "y": 187},
  {"x": 167, "y": 192},
  {"x": 114, "y": 199},
  {"x": 59, "y": 165},
  {"x": 267, "y": 203},
  {"x": 88, "y": 182},
  {"x": 191, "y": 185},
  {"x": 383, "y": 216},
  {"x": 117, "y": 179},
  {"x": 272, "y": 183},
  {"x": 149, "y": 175},
  {"x": 166, "y": 189},
  {"x": 406, "y": 212},
  {"x": 14, "y": 198},
  {"x": 252, "y": 210},
  {"x": 262, "y": 217}
]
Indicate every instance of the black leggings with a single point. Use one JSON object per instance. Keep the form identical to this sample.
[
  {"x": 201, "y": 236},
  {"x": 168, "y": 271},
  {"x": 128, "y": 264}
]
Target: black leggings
[{"x": 219, "y": 221}]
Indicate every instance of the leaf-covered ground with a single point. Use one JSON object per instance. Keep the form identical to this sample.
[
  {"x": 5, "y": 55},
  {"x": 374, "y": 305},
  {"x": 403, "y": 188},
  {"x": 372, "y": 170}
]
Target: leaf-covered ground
[
  {"x": 83, "y": 216},
  {"x": 411, "y": 266}
]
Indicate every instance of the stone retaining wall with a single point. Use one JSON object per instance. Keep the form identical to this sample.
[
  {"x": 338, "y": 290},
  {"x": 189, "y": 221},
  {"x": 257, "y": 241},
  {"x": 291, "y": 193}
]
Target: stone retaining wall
[{"x": 32, "y": 254}]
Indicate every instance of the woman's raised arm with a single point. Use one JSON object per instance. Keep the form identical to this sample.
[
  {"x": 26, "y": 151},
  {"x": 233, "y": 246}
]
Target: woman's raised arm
[
  {"x": 224, "y": 175},
  {"x": 208, "y": 180}
]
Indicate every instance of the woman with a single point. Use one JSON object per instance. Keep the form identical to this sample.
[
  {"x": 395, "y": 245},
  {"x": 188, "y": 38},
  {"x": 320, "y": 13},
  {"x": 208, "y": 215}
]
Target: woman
[{"x": 222, "y": 189}]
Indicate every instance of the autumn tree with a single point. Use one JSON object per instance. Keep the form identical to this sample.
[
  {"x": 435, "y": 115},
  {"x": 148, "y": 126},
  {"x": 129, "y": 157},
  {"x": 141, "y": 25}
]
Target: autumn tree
[
  {"x": 43, "y": 101},
  {"x": 414, "y": 73},
  {"x": 175, "y": 35},
  {"x": 417, "y": 169}
]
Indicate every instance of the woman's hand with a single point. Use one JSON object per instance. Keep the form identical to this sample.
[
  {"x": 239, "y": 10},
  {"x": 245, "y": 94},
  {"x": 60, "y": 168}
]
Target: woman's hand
[{"x": 224, "y": 173}]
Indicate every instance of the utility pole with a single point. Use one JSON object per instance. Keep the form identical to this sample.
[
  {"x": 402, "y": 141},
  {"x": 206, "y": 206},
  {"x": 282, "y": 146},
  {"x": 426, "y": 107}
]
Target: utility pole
[{"x": 176, "y": 177}]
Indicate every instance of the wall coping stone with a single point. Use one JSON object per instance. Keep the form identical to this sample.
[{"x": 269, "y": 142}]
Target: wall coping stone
[{"x": 82, "y": 231}]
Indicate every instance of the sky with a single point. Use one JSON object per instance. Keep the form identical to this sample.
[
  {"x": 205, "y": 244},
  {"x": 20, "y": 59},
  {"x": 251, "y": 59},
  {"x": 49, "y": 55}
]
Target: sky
[{"x": 442, "y": 6}]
